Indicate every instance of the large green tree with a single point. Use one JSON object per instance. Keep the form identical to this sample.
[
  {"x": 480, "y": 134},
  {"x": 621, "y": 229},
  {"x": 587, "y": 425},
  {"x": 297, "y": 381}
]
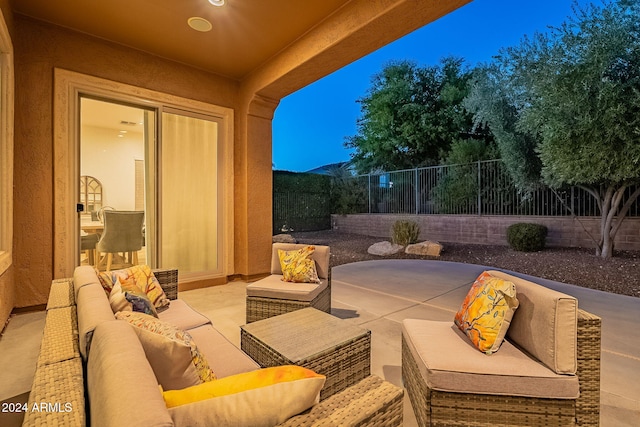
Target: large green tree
[
  {"x": 411, "y": 115},
  {"x": 564, "y": 106}
]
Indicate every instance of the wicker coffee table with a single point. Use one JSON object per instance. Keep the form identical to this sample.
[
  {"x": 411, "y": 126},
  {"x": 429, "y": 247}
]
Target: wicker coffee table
[{"x": 313, "y": 339}]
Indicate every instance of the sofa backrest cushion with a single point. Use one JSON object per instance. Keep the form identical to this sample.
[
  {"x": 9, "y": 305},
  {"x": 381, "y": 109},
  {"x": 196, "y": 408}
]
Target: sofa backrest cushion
[
  {"x": 545, "y": 324},
  {"x": 122, "y": 388},
  {"x": 261, "y": 398},
  {"x": 93, "y": 308},
  {"x": 320, "y": 256},
  {"x": 173, "y": 354},
  {"x": 82, "y": 276}
]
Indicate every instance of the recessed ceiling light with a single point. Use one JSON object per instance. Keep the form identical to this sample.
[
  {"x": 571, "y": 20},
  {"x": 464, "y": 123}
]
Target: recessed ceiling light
[
  {"x": 216, "y": 2},
  {"x": 199, "y": 24}
]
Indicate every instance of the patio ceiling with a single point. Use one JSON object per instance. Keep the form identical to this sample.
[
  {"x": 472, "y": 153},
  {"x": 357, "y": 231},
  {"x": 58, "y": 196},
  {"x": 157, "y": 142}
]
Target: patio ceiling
[
  {"x": 275, "y": 46},
  {"x": 245, "y": 34}
]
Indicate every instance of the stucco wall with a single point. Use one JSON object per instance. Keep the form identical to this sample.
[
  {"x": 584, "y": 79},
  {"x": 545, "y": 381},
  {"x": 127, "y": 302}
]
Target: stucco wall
[
  {"x": 7, "y": 296},
  {"x": 7, "y": 285},
  {"x": 39, "y": 48},
  {"x": 563, "y": 232}
]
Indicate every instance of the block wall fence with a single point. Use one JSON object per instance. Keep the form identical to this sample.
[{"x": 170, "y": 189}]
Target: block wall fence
[{"x": 492, "y": 230}]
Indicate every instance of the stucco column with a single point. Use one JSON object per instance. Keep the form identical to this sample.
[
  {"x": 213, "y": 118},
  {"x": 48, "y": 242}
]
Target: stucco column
[{"x": 253, "y": 186}]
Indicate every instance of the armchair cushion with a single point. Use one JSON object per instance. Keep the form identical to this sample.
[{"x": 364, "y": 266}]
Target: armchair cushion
[
  {"x": 449, "y": 362},
  {"x": 545, "y": 324},
  {"x": 273, "y": 287}
]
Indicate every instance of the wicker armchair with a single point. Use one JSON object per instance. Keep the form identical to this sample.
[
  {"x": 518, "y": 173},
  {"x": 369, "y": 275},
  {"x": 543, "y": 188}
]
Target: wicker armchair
[
  {"x": 270, "y": 296},
  {"x": 445, "y": 408}
]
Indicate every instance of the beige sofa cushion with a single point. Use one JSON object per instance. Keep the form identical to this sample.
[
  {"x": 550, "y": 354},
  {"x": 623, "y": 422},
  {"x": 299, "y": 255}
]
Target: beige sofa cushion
[
  {"x": 320, "y": 256},
  {"x": 172, "y": 353},
  {"x": 82, "y": 276},
  {"x": 181, "y": 315},
  {"x": 223, "y": 357},
  {"x": 93, "y": 308},
  {"x": 545, "y": 324},
  {"x": 449, "y": 362},
  {"x": 261, "y": 398},
  {"x": 274, "y": 287},
  {"x": 122, "y": 388}
]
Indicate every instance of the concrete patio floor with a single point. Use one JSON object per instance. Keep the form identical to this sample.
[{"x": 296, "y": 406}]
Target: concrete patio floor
[{"x": 378, "y": 295}]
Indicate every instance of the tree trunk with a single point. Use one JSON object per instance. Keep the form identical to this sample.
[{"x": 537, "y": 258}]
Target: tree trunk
[{"x": 612, "y": 216}]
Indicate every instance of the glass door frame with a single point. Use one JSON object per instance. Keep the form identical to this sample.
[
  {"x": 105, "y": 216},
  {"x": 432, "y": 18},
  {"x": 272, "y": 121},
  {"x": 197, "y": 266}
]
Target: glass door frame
[
  {"x": 151, "y": 130},
  {"x": 197, "y": 276},
  {"x": 68, "y": 87}
]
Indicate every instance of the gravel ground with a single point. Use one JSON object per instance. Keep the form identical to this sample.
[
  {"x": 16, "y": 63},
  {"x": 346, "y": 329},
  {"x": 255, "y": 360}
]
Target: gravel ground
[{"x": 620, "y": 274}]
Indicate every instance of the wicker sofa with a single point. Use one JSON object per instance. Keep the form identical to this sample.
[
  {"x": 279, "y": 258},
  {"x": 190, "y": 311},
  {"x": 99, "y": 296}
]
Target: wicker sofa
[
  {"x": 547, "y": 371},
  {"x": 97, "y": 365},
  {"x": 271, "y": 296}
]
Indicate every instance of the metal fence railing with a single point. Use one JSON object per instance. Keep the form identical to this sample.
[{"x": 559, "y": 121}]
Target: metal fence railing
[{"x": 480, "y": 188}]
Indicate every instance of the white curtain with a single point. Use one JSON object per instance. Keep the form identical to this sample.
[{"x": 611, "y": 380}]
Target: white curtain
[{"x": 189, "y": 194}]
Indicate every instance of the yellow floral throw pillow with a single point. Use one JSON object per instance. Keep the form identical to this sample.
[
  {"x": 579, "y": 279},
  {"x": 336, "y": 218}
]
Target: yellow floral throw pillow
[
  {"x": 137, "y": 277},
  {"x": 486, "y": 312},
  {"x": 298, "y": 266}
]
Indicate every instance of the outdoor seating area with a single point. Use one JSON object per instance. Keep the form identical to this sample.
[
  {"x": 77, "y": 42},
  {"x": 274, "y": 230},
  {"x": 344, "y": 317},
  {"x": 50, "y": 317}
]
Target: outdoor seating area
[
  {"x": 385, "y": 317},
  {"x": 163, "y": 351}
]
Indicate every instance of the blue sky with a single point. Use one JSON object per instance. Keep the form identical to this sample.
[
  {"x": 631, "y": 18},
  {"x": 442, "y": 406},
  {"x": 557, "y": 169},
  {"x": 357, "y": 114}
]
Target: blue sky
[{"x": 310, "y": 125}]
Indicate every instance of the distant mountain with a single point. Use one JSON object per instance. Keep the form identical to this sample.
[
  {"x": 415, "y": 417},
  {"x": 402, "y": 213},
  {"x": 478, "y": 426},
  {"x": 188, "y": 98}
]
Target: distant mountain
[{"x": 327, "y": 169}]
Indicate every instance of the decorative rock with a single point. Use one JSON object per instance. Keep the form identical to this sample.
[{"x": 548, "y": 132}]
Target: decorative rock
[
  {"x": 384, "y": 249},
  {"x": 424, "y": 248},
  {"x": 284, "y": 238}
]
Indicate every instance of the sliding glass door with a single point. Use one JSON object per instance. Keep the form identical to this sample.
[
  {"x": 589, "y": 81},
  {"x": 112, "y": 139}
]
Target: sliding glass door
[
  {"x": 116, "y": 148},
  {"x": 190, "y": 188},
  {"x": 170, "y": 171}
]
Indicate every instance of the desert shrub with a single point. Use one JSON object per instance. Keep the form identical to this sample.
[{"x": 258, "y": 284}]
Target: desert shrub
[
  {"x": 526, "y": 237},
  {"x": 405, "y": 232}
]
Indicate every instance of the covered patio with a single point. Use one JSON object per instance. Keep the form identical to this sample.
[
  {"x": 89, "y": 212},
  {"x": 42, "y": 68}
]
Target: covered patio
[{"x": 378, "y": 295}]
